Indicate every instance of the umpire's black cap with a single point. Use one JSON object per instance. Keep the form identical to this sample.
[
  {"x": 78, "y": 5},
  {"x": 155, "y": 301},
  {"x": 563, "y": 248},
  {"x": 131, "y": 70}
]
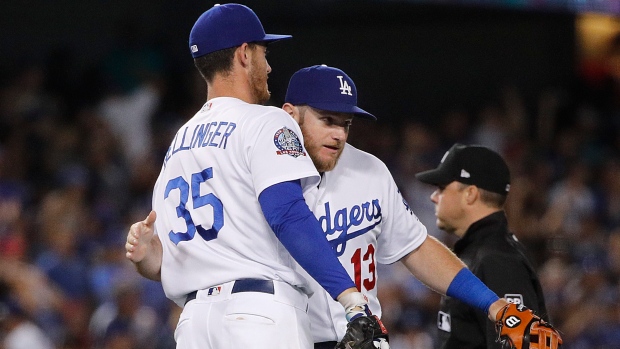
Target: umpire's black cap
[{"x": 470, "y": 164}]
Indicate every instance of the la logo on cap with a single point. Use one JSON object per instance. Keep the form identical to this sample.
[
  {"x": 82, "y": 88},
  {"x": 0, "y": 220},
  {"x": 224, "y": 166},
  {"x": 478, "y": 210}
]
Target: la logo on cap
[{"x": 345, "y": 89}]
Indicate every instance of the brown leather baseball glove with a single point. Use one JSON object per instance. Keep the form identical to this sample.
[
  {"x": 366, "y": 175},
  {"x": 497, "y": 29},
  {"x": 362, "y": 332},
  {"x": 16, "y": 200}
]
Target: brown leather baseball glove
[{"x": 519, "y": 328}]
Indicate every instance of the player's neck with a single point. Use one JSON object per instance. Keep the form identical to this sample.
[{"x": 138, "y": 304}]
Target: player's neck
[{"x": 230, "y": 86}]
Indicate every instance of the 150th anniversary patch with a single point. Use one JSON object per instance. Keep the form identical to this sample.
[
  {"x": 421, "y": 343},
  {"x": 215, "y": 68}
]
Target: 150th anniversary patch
[{"x": 288, "y": 143}]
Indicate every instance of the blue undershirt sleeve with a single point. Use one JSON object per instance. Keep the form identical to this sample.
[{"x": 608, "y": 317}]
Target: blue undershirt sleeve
[
  {"x": 299, "y": 231},
  {"x": 467, "y": 288}
]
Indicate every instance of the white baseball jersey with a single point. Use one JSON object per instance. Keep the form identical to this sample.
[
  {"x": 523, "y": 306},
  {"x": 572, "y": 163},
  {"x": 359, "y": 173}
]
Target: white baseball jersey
[
  {"x": 206, "y": 197},
  {"x": 367, "y": 221}
]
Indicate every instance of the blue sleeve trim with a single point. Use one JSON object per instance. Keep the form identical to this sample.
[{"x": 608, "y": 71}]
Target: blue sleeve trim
[
  {"x": 299, "y": 231},
  {"x": 467, "y": 288}
]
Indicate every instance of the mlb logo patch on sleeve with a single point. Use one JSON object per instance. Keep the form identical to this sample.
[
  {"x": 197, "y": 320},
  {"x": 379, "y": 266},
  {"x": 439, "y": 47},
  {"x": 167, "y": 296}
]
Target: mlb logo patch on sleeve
[
  {"x": 288, "y": 143},
  {"x": 514, "y": 298}
]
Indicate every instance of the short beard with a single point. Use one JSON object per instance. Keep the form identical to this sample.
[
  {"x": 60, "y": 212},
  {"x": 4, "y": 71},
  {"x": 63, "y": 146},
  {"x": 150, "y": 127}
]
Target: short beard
[
  {"x": 321, "y": 165},
  {"x": 324, "y": 166},
  {"x": 258, "y": 86}
]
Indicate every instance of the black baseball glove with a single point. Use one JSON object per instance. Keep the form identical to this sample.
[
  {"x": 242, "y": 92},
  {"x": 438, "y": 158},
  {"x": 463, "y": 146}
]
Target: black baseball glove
[{"x": 365, "y": 332}]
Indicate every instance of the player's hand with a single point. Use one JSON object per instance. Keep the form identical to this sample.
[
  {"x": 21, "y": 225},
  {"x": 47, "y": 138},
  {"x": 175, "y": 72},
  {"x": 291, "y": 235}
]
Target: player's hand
[
  {"x": 519, "y": 328},
  {"x": 139, "y": 238},
  {"x": 365, "y": 332}
]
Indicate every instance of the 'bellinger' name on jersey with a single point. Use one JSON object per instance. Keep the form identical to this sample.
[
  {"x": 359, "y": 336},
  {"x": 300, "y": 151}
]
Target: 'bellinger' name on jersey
[
  {"x": 367, "y": 221},
  {"x": 211, "y": 134}
]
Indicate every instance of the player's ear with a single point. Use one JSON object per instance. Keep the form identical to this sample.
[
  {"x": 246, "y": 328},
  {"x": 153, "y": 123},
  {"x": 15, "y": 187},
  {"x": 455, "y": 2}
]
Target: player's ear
[
  {"x": 292, "y": 110},
  {"x": 244, "y": 54}
]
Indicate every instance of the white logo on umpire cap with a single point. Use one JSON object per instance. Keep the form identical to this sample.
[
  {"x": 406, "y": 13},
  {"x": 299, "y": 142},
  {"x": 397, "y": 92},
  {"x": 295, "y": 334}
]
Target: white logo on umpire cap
[
  {"x": 194, "y": 48},
  {"x": 345, "y": 89},
  {"x": 465, "y": 174}
]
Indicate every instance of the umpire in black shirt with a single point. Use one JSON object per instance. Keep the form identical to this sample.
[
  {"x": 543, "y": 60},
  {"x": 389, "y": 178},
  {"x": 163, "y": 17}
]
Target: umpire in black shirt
[{"x": 472, "y": 186}]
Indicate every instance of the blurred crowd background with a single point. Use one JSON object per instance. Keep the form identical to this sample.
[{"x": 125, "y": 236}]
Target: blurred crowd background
[{"x": 85, "y": 124}]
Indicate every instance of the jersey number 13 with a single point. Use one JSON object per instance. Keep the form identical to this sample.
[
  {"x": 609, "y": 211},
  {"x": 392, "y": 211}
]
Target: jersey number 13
[{"x": 356, "y": 259}]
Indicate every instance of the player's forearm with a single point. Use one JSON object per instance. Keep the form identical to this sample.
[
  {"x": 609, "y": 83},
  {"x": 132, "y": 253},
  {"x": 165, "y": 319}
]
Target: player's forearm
[
  {"x": 311, "y": 250},
  {"x": 150, "y": 265},
  {"x": 300, "y": 233},
  {"x": 433, "y": 264},
  {"x": 440, "y": 269}
]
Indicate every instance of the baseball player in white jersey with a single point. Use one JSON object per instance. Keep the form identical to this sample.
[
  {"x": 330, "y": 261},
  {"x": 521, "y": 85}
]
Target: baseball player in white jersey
[
  {"x": 367, "y": 222},
  {"x": 361, "y": 210},
  {"x": 233, "y": 224}
]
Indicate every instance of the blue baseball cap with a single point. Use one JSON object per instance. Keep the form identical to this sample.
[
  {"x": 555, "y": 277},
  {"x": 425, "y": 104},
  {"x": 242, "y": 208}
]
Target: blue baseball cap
[
  {"x": 226, "y": 26},
  {"x": 325, "y": 88}
]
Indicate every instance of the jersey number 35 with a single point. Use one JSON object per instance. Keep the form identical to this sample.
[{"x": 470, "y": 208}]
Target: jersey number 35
[{"x": 198, "y": 201}]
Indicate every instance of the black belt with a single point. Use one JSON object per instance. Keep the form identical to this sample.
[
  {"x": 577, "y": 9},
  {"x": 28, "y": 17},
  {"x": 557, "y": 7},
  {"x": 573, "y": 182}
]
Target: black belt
[
  {"x": 244, "y": 285},
  {"x": 325, "y": 345}
]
